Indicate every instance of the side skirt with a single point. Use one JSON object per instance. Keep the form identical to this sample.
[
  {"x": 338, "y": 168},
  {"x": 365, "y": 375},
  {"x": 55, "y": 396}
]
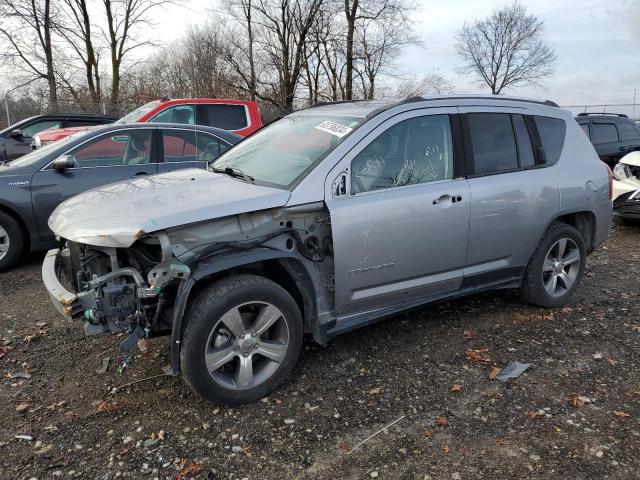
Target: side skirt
[{"x": 470, "y": 285}]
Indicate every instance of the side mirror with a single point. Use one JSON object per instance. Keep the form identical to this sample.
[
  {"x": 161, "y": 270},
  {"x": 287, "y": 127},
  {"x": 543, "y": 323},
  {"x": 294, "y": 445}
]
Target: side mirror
[
  {"x": 63, "y": 162},
  {"x": 17, "y": 133}
]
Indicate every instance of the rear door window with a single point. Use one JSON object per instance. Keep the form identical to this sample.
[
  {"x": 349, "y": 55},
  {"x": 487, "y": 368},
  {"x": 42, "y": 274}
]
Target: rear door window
[
  {"x": 190, "y": 146},
  {"x": 604, "y": 133},
  {"x": 552, "y": 132},
  {"x": 627, "y": 132},
  {"x": 493, "y": 141},
  {"x": 227, "y": 117}
]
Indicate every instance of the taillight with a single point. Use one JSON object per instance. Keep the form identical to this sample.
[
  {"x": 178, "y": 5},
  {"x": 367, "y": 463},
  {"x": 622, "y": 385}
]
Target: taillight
[{"x": 610, "y": 173}]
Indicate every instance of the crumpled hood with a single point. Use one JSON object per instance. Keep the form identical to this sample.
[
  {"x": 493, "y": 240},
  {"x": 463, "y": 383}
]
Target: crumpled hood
[
  {"x": 632, "y": 158},
  {"x": 116, "y": 215}
]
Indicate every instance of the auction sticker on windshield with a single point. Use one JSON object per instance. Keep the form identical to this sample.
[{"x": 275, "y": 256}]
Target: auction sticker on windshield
[{"x": 334, "y": 128}]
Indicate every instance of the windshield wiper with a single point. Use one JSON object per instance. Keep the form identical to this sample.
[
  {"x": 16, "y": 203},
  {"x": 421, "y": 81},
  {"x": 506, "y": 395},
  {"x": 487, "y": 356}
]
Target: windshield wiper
[{"x": 233, "y": 172}]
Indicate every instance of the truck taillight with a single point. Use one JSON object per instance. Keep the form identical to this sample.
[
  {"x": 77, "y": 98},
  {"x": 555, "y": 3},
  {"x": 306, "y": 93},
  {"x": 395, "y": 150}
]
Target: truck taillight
[{"x": 610, "y": 173}]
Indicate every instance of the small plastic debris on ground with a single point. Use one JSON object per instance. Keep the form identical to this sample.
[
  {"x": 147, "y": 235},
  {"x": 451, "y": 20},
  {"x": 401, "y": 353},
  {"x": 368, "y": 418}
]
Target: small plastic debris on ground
[
  {"x": 512, "y": 370},
  {"x": 26, "y": 375},
  {"x": 123, "y": 365},
  {"x": 143, "y": 345},
  {"x": 105, "y": 365},
  {"x": 28, "y": 438}
]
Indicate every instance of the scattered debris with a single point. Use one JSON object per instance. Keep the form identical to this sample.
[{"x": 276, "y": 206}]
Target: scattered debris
[
  {"x": 28, "y": 438},
  {"x": 478, "y": 355},
  {"x": 115, "y": 389},
  {"x": 374, "y": 434},
  {"x": 24, "y": 374},
  {"x": 456, "y": 388},
  {"x": 469, "y": 334},
  {"x": 123, "y": 365},
  {"x": 143, "y": 345},
  {"x": 110, "y": 405},
  {"x": 598, "y": 356},
  {"x": 191, "y": 470},
  {"x": 104, "y": 366},
  {"x": 620, "y": 414},
  {"x": 23, "y": 407},
  {"x": 501, "y": 442},
  {"x": 374, "y": 391},
  {"x": 441, "y": 421},
  {"x": 494, "y": 371},
  {"x": 512, "y": 370}
]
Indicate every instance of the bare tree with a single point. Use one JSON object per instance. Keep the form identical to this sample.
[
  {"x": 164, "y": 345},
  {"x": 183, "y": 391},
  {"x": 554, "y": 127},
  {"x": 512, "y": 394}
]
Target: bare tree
[
  {"x": 27, "y": 27},
  {"x": 76, "y": 29},
  {"x": 431, "y": 84},
  {"x": 286, "y": 25},
  {"x": 378, "y": 46},
  {"x": 506, "y": 49},
  {"x": 124, "y": 17}
]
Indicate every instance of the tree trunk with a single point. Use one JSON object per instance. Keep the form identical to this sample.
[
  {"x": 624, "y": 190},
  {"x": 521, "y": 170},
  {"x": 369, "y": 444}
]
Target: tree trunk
[
  {"x": 51, "y": 77},
  {"x": 252, "y": 64},
  {"x": 350, "y": 14}
]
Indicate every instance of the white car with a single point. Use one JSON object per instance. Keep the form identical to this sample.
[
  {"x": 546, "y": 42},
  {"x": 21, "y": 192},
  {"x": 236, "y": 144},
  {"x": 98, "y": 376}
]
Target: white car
[{"x": 626, "y": 188}]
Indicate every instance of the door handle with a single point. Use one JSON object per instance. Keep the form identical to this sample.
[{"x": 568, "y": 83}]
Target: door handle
[
  {"x": 139, "y": 174},
  {"x": 623, "y": 149},
  {"x": 446, "y": 198}
]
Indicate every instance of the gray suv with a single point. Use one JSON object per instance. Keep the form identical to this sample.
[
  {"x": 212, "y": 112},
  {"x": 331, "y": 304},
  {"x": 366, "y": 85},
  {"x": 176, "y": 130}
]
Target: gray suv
[{"x": 327, "y": 220}]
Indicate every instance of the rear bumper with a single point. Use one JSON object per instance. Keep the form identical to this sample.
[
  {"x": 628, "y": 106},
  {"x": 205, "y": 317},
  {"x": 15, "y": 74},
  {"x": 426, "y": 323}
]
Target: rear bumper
[{"x": 63, "y": 300}]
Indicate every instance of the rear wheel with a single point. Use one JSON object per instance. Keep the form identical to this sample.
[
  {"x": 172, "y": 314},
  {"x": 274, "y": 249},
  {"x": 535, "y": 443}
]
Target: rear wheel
[
  {"x": 556, "y": 268},
  {"x": 11, "y": 241},
  {"x": 242, "y": 339}
]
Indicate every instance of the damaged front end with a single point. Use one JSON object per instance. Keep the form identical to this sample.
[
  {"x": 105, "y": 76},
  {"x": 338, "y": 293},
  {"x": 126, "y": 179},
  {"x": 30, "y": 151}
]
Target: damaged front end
[
  {"x": 137, "y": 289},
  {"x": 113, "y": 289}
]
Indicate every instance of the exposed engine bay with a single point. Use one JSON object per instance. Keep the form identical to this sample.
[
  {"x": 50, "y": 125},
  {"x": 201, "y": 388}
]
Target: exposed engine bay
[{"x": 134, "y": 289}]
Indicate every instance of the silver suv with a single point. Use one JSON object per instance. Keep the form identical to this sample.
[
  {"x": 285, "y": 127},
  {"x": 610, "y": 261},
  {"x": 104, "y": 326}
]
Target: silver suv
[{"x": 327, "y": 220}]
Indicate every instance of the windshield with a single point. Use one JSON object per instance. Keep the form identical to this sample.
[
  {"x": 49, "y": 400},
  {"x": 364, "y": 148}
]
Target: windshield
[
  {"x": 132, "y": 117},
  {"x": 36, "y": 155},
  {"x": 282, "y": 152}
]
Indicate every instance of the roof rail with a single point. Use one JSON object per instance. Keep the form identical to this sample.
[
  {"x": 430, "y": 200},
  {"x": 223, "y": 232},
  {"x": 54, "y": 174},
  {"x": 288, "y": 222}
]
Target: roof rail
[
  {"x": 335, "y": 102},
  {"x": 586, "y": 114},
  {"x": 477, "y": 97}
]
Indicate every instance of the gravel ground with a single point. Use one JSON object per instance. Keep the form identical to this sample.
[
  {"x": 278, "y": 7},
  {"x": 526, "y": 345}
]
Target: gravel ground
[{"x": 574, "y": 414}]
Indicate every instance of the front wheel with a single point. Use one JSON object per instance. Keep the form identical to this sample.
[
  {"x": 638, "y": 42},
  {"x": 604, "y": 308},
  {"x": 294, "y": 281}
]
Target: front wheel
[
  {"x": 556, "y": 267},
  {"x": 242, "y": 339},
  {"x": 11, "y": 241}
]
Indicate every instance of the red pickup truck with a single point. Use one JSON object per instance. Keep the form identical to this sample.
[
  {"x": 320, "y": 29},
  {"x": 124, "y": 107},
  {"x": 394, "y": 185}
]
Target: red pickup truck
[{"x": 238, "y": 116}]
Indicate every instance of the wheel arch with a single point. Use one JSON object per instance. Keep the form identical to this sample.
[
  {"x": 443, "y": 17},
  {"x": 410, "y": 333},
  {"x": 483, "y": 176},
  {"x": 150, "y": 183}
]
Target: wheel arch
[
  {"x": 283, "y": 268},
  {"x": 584, "y": 221},
  {"x": 16, "y": 216}
]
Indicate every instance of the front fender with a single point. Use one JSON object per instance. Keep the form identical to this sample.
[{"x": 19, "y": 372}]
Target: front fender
[{"x": 202, "y": 269}]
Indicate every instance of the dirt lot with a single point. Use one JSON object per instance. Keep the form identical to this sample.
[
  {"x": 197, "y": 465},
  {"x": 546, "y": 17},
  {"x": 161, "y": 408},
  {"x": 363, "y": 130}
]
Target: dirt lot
[{"x": 575, "y": 413}]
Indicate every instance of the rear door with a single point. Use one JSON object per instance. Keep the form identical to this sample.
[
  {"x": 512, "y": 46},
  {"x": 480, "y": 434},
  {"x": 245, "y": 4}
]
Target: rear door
[
  {"x": 111, "y": 157},
  {"x": 629, "y": 135},
  {"x": 399, "y": 213},
  {"x": 511, "y": 195},
  {"x": 188, "y": 148}
]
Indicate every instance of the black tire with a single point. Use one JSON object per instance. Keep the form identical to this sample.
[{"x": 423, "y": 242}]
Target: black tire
[
  {"x": 533, "y": 289},
  {"x": 16, "y": 241},
  {"x": 203, "y": 316}
]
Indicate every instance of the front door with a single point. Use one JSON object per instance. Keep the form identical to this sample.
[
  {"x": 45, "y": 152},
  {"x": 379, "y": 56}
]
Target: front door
[
  {"x": 399, "y": 214},
  {"x": 183, "y": 148},
  {"x": 112, "y": 157},
  {"x": 19, "y": 145}
]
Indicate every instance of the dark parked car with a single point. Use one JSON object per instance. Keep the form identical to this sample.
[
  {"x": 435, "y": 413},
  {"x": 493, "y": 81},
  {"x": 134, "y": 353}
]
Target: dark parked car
[
  {"x": 612, "y": 134},
  {"x": 15, "y": 140},
  {"x": 32, "y": 186}
]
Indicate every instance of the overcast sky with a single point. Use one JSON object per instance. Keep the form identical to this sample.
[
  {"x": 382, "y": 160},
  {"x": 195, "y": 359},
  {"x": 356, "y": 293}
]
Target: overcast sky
[{"x": 597, "y": 43}]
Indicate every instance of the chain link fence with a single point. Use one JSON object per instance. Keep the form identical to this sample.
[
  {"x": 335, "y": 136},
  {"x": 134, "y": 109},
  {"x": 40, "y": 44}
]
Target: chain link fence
[{"x": 12, "y": 111}]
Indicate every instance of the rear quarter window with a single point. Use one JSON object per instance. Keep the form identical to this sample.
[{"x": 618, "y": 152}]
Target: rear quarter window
[
  {"x": 552, "y": 132},
  {"x": 227, "y": 117},
  {"x": 627, "y": 131},
  {"x": 604, "y": 133}
]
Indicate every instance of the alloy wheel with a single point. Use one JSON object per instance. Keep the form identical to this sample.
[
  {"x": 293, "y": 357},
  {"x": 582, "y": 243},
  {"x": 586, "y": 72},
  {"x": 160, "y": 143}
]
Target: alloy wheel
[
  {"x": 561, "y": 267},
  {"x": 246, "y": 345},
  {"x": 5, "y": 242}
]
